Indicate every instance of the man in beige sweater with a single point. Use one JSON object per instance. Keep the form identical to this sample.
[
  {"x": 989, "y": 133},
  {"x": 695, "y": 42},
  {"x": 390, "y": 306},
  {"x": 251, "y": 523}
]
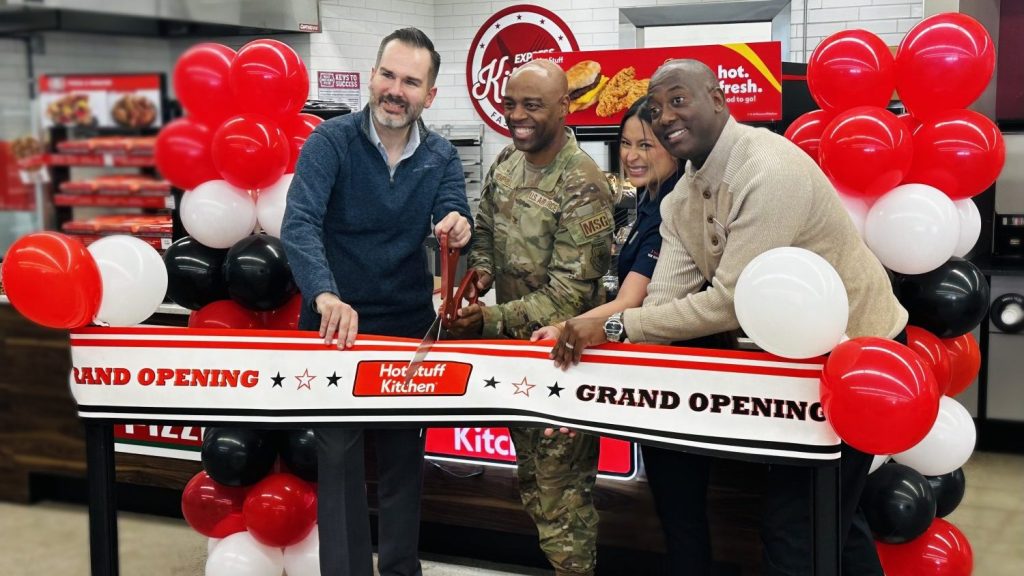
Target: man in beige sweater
[{"x": 746, "y": 190}]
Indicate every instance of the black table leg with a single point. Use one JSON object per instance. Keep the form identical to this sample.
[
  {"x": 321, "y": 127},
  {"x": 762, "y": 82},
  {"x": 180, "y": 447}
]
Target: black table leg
[
  {"x": 825, "y": 522},
  {"x": 99, "y": 452}
]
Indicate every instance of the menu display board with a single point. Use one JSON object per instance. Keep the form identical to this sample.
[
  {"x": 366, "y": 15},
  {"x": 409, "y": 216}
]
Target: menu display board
[{"x": 131, "y": 101}]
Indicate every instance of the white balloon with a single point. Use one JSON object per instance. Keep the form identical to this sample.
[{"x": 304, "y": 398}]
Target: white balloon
[
  {"x": 948, "y": 445},
  {"x": 877, "y": 462},
  {"x": 913, "y": 229},
  {"x": 857, "y": 208},
  {"x": 303, "y": 559},
  {"x": 218, "y": 214},
  {"x": 271, "y": 203},
  {"x": 134, "y": 280},
  {"x": 970, "y": 226},
  {"x": 792, "y": 303},
  {"x": 241, "y": 555}
]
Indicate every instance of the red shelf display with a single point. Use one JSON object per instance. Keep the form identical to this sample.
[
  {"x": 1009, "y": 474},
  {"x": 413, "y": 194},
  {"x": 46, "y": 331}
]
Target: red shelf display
[{"x": 115, "y": 200}]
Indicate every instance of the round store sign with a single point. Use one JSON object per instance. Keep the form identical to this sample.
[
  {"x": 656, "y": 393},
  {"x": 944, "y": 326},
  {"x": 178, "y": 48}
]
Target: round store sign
[{"x": 509, "y": 39}]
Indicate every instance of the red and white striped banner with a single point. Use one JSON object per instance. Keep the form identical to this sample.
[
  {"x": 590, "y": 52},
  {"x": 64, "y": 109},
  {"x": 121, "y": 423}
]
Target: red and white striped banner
[{"x": 744, "y": 404}]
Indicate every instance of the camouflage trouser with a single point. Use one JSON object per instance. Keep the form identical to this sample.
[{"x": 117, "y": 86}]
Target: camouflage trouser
[{"x": 556, "y": 483}]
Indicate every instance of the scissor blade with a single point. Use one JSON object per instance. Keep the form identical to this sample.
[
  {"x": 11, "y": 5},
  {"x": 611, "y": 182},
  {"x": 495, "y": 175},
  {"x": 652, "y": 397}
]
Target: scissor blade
[{"x": 421, "y": 351}]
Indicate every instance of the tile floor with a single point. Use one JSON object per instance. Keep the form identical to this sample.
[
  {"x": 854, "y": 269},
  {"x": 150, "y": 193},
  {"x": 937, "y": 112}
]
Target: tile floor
[{"x": 50, "y": 538}]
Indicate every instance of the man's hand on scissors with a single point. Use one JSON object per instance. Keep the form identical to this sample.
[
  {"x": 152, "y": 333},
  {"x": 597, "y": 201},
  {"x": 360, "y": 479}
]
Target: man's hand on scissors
[
  {"x": 470, "y": 322},
  {"x": 339, "y": 318},
  {"x": 457, "y": 227},
  {"x": 482, "y": 284}
]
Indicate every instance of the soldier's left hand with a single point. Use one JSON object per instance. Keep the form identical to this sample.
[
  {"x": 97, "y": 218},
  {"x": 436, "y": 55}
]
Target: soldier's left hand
[
  {"x": 576, "y": 336},
  {"x": 470, "y": 322},
  {"x": 457, "y": 228}
]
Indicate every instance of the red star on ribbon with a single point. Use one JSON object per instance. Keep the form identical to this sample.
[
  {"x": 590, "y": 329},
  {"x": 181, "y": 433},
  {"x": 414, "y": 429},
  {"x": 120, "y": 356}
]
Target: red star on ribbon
[
  {"x": 305, "y": 380},
  {"x": 523, "y": 388}
]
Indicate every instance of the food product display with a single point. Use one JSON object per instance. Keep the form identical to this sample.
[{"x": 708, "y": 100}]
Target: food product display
[
  {"x": 71, "y": 109},
  {"x": 130, "y": 145},
  {"x": 134, "y": 111},
  {"x": 118, "y": 184}
]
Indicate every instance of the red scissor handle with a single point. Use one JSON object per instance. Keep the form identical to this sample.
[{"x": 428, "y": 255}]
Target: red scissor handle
[{"x": 451, "y": 299}]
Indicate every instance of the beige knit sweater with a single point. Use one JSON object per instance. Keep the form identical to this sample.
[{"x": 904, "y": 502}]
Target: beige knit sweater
[{"x": 756, "y": 191}]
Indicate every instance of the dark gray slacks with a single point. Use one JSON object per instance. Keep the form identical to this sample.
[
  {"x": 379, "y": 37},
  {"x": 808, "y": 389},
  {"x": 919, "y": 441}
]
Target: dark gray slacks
[{"x": 344, "y": 518}]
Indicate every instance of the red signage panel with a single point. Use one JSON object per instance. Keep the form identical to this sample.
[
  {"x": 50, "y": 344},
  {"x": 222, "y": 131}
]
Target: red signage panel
[{"x": 750, "y": 74}]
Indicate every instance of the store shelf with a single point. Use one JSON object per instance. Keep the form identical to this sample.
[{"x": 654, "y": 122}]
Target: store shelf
[
  {"x": 115, "y": 201},
  {"x": 100, "y": 160}
]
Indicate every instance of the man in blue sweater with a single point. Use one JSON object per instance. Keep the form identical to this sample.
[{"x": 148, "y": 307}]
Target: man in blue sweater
[{"x": 366, "y": 189}]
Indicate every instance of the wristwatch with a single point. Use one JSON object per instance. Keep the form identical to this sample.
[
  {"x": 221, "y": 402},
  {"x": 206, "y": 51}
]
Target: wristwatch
[{"x": 614, "y": 329}]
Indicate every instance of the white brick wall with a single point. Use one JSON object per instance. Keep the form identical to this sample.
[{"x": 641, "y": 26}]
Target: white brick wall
[{"x": 353, "y": 29}]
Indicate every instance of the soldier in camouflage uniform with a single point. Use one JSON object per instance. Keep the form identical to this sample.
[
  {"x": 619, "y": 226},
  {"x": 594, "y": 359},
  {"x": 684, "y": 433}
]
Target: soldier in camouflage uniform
[{"x": 543, "y": 238}]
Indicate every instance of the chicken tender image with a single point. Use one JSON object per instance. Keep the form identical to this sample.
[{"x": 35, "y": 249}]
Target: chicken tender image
[
  {"x": 616, "y": 92},
  {"x": 637, "y": 91}
]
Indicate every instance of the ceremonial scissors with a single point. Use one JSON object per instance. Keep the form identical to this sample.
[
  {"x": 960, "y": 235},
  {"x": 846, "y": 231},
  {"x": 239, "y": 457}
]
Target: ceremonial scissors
[{"x": 451, "y": 301}]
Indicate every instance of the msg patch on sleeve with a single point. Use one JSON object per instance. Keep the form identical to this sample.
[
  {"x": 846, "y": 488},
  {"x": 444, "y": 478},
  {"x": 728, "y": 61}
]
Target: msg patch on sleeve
[{"x": 596, "y": 224}]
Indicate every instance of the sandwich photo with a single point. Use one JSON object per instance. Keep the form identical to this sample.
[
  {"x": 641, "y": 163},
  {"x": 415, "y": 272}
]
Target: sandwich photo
[{"x": 585, "y": 84}]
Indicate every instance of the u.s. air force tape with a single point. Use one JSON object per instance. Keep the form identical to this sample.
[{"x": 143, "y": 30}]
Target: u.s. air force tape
[{"x": 733, "y": 403}]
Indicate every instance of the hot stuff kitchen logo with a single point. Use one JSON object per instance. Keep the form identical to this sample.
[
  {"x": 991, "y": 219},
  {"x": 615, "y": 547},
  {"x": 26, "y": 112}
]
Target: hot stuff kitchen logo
[{"x": 506, "y": 41}]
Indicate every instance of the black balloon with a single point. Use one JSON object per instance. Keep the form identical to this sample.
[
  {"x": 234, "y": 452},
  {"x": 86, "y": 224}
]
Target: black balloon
[
  {"x": 949, "y": 491},
  {"x": 238, "y": 456},
  {"x": 195, "y": 275},
  {"x": 298, "y": 452},
  {"x": 257, "y": 273},
  {"x": 898, "y": 503},
  {"x": 949, "y": 301}
]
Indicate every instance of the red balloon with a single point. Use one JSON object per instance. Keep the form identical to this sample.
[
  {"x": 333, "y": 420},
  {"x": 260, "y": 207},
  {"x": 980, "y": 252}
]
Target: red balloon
[
  {"x": 211, "y": 508},
  {"x": 912, "y": 123},
  {"x": 250, "y": 151},
  {"x": 943, "y": 63},
  {"x": 269, "y": 78},
  {"x": 225, "y": 314},
  {"x": 941, "y": 551},
  {"x": 959, "y": 152},
  {"x": 867, "y": 150},
  {"x": 183, "y": 153},
  {"x": 280, "y": 510},
  {"x": 298, "y": 129},
  {"x": 52, "y": 280},
  {"x": 964, "y": 361},
  {"x": 806, "y": 131},
  {"x": 202, "y": 82},
  {"x": 878, "y": 395},
  {"x": 849, "y": 69},
  {"x": 286, "y": 317},
  {"x": 933, "y": 352}
]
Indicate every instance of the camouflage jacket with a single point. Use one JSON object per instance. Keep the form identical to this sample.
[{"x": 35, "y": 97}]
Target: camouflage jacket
[{"x": 545, "y": 236}]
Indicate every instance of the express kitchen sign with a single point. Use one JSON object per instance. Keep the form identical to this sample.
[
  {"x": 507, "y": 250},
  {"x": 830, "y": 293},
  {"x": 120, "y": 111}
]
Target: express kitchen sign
[{"x": 509, "y": 39}]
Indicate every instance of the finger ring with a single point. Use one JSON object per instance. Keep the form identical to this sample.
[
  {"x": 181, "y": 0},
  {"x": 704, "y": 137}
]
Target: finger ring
[{"x": 570, "y": 346}]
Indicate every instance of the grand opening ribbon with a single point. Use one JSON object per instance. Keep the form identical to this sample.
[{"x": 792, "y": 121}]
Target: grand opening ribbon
[{"x": 742, "y": 404}]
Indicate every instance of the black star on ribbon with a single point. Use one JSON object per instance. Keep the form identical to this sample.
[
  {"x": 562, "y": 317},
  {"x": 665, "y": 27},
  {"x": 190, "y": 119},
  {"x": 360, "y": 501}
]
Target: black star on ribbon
[
  {"x": 542, "y": 20},
  {"x": 481, "y": 46},
  {"x": 519, "y": 17},
  {"x": 277, "y": 380},
  {"x": 491, "y": 383},
  {"x": 555, "y": 390},
  {"x": 332, "y": 380},
  {"x": 560, "y": 38},
  {"x": 496, "y": 25}
]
